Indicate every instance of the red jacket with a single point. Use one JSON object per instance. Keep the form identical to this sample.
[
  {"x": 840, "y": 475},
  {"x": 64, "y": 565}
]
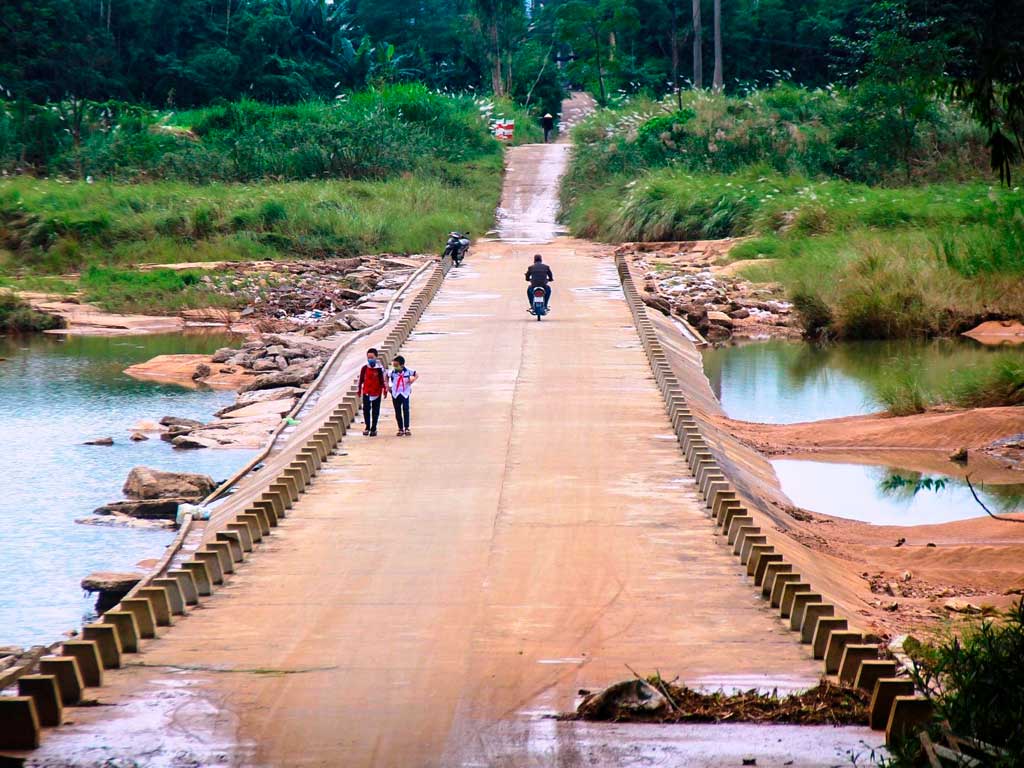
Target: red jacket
[{"x": 371, "y": 381}]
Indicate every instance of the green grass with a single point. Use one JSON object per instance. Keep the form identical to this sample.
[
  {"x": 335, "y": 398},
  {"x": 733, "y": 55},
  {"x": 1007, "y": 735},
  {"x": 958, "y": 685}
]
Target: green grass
[
  {"x": 18, "y": 317},
  {"x": 156, "y": 291}
]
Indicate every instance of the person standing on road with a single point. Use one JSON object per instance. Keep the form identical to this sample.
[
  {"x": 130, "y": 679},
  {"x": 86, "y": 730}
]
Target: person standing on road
[
  {"x": 400, "y": 380},
  {"x": 548, "y": 124},
  {"x": 538, "y": 275},
  {"x": 372, "y": 390}
]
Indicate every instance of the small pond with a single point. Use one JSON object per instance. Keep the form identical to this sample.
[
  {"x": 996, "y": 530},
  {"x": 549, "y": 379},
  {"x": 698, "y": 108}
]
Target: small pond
[
  {"x": 889, "y": 495},
  {"x": 785, "y": 382},
  {"x": 56, "y": 393}
]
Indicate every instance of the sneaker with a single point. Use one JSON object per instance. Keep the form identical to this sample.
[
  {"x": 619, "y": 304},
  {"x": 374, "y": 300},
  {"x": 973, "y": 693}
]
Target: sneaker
[
  {"x": 366, "y": 433},
  {"x": 408, "y": 433},
  {"x": 373, "y": 433}
]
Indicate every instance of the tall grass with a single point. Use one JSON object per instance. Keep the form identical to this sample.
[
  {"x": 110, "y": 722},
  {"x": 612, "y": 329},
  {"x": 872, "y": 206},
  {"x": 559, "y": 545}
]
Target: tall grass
[{"x": 16, "y": 316}]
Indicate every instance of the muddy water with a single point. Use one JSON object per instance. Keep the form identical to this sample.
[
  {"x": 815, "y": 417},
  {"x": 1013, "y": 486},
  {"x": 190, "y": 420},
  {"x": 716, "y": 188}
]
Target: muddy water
[
  {"x": 785, "y": 382},
  {"x": 56, "y": 393},
  {"x": 885, "y": 495}
]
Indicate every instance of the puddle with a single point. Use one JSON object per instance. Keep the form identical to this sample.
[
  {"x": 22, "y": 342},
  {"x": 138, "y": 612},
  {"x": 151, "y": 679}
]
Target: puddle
[
  {"x": 784, "y": 382},
  {"x": 884, "y": 495}
]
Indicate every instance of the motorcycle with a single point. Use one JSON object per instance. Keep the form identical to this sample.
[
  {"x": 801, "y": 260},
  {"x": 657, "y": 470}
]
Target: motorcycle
[
  {"x": 538, "y": 303},
  {"x": 457, "y": 247}
]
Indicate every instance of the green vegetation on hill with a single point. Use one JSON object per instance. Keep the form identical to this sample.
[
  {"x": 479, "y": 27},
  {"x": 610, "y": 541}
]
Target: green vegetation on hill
[{"x": 18, "y": 317}]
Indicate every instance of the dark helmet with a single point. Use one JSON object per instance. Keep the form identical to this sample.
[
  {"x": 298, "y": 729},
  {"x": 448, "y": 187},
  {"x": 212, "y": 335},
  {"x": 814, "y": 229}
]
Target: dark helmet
[{"x": 536, "y": 259}]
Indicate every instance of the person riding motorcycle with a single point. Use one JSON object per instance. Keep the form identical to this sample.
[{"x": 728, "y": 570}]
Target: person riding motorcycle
[
  {"x": 457, "y": 246},
  {"x": 538, "y": 275}
]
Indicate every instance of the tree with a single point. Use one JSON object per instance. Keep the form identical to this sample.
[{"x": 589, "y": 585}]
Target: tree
[
  {"x": 587, "y": 25},
  {"x": 698, "y": 42},
  {"x": 717, "y": 82}
]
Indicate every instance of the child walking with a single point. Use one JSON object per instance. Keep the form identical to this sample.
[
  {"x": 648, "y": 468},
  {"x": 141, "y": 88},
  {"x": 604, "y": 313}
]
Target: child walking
[
  {"x": 400, "y": 380},
  {"x": 372, "y": 389}
]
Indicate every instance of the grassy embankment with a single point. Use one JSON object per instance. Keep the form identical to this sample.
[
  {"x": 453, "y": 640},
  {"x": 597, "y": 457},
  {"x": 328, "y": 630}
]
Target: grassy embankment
[
  {"x": 389, "y": 171},
  {"x": 862, "y": 254}
]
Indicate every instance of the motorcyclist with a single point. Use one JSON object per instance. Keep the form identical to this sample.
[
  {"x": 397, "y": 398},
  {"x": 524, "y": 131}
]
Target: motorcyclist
[{"x": 539, "y": 275}]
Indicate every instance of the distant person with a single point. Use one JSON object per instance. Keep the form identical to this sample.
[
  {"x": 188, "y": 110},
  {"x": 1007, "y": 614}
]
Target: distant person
[
  {"x": 400, "y": 380},
  {"x": 538, "y": 275},
  {"x": 548, "y": 123},
  {"x": 372, "y": 389}
]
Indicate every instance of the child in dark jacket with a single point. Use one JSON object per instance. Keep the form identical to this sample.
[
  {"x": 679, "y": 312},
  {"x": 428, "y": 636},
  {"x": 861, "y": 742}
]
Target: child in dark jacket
[{"x": 372, "y": 390}]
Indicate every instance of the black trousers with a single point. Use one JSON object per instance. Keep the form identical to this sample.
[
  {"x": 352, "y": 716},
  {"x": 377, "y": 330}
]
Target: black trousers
[
  {"x": 371, "y": 412},
  {"x": 401, "y": 410}
]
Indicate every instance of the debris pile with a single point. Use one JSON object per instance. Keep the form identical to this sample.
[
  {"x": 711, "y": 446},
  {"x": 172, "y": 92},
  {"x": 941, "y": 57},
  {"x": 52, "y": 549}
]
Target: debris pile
[{"x": 659, "y": 701}]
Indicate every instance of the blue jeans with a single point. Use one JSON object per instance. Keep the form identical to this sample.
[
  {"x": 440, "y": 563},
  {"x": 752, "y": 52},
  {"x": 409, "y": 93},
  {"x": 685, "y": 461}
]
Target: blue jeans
[{"x": 547, "y": 295}]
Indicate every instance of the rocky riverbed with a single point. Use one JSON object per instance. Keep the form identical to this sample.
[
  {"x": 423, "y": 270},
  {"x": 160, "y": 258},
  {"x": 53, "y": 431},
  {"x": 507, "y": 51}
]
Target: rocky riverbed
[{"x": 690, "y": 281}]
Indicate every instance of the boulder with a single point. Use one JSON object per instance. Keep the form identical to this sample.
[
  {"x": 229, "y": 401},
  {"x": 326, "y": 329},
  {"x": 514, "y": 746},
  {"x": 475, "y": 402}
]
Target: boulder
[
  {"x": 147, "y": 483},
  {"x": 719, "y": 318},
  {"x": 137, "y": 437},
  {"x": 293, "y": 376},
  {"x": 189, "y": 442},
  {"x": 100, "y": 441},
  {"x": 111, "y": 581},
  {"x": 223, "y": 354},
  {"x": 150, "y": 509},
  {"x": 175, "y": 421},
  {"x": 265, "y": 365},
  {"x": 202, "y": 371}
]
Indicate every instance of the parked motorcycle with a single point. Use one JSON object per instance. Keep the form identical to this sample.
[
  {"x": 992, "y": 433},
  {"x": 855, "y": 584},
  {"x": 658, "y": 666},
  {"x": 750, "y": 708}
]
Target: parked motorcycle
[
  {"x": 457, "y": 247},
  {"x": 538, "y": 302}
]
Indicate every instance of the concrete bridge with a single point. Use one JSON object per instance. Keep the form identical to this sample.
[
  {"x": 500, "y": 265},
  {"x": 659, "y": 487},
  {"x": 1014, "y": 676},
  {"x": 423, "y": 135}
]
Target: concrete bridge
[{"x": 559, "y": 517}]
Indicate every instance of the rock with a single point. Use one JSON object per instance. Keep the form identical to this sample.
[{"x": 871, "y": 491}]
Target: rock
[
  {"x": 287, "y": 378},
  {"x": 961, "y": 606},
  {"x": 740, "y": 314},
  {"x": 175, "y": 421},
  {"x": 630, "y": 697},
  {"x": 281, "y": 362},
  {"x": 274, "y": 350},
  {"x": 959, "y": 456},
  {"x": 189, "y": 442},
  {"x": 100, "y": 441},
  {"x": 270, "y": 408},
  {"x": 261, "y": 396},
  {"x": 201, "y": 372},
  {"x": 174, "y": 432},
  {"x": 716, "y": 332},
  {"x": 907, "y": 575},
  {"x": 719, "y": 318},
  {"x": 150, "y": 509},
  {"x": 147, "y": 483},
  {"x": 264, "y": 365},
  {"x": 111, "y": 581},
  {"x": 137, "y": 437},
  {"x": 223, "y": 354}
]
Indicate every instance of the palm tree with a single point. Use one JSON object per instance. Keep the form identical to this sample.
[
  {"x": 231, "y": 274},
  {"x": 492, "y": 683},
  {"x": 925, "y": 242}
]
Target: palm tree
[
  {"x": 717, "y": 83},
  {"x": 698, "y": 73}
]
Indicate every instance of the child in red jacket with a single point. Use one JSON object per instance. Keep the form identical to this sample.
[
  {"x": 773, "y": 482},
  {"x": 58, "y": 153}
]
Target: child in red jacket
[{"x": 372, "y": 390}]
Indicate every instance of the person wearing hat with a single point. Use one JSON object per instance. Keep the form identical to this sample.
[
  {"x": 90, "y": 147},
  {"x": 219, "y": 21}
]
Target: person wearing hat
[{"x": 548, "y": 123}]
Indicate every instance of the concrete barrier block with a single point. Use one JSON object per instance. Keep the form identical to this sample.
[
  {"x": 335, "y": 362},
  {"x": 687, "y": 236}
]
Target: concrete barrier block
[
  {"x": 308, "y": 462},
  {"x": 827, "y": 626},
  {"x": 223, "y": 551},
  {"x": 835, "y": 644},
  {"x": 107, "y": 640},
  {"x": 294, "y": 477},
  {"x": 43, "y": 691},
  {"x": 813, "y": 612},
  {"x": 747, "y": 545},
  {"x": 800, "y": 601},
  {"x": 722, "y": 506},
  {"x": 244, "y": 534},
  {"x": 234, "y": 545},
  {"x": 742, "y": 532},
  {"x": 64, "y": 670},
  {"x": 736, "y": 522},
  {"x": 90, "y": 665},
  {"x": 705, "y": 467},
  {"x": 211, "y": 560},
  {"x": 142, "y": 609},
  {"x": 19, "y": 723},
  {"x": 709, "y": 479},
  {"x": 187, "y": 585},
  {"x": 731, "y": 512},
  {"x": 287, "y": 492},
  {"x": 160, "y": 603},
  {"x": 270, "y": 505},
  {"x": 789, "y": 593},
  {"x": 255, "y": 527},
  {"x": 775, "y": 598},
  {"x": 756, "y": 553},
  {"x": 317, "y": 448},
  {"x": 127, "y": 629},
  {"x": 761, "y": 567},
  {"x": 261, "y": 516},
  {"x": 714, "y": 487},
  {"x": 854, "y": 655},
  {"x": 172, "y": 589},
  {"x": 770, "y": 574},
  {"x": 872, "y": 670},
  {"x": 908, "y": 715}
]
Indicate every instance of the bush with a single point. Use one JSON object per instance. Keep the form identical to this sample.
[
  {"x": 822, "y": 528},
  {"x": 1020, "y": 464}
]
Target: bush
[{"x": 18, "y": 317}]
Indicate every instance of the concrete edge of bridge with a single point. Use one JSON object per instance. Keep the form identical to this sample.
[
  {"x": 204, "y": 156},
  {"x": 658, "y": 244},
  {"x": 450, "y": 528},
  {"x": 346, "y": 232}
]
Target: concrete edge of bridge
[{"x": 850, "y": 657}]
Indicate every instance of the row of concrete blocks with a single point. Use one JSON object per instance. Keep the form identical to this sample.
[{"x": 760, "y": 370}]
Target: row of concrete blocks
[
  {"x": 62, "y": 679},
  {"x": 849, "y": 655}
]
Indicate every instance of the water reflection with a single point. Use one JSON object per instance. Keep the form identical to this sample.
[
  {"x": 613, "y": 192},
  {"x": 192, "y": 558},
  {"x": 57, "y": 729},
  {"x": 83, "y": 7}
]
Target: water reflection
[
  {"x": 871, "y": 494},
  {"x": 56, "y": 393},
  {"x": 784, "y": 382}
]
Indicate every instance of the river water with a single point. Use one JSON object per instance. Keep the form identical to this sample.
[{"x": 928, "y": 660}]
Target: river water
[
  {"x": 785, "y": 382},
  {"x": 56, "y": 393}
]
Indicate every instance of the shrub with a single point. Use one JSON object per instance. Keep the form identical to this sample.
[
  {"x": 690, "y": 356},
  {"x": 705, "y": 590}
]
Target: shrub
[{"x": 18, "y": 317}]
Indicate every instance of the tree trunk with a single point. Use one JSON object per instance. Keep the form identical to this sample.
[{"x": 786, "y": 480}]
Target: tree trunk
[
  {"x": 227, "y": 20},
  {"x": 675, "y": 55},
  {"x": 698, "y": 68},
  {"x": 497, "y": 82},
  {"x": 600, "y": 66},
  {"x": 718, "y": 83}
]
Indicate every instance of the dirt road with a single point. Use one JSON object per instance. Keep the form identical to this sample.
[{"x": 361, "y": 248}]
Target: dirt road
[{"x": 432, "y": 599}]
